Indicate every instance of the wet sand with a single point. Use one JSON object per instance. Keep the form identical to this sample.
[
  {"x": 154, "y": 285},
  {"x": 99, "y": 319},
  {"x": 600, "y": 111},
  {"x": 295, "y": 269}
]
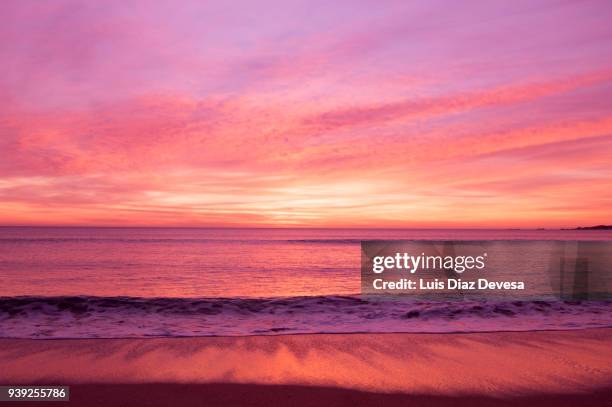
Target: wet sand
[{"x": 502, "y": 368}]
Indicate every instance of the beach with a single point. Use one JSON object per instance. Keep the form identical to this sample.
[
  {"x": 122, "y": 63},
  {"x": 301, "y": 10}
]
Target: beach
[{"x": 497, "y": 368}]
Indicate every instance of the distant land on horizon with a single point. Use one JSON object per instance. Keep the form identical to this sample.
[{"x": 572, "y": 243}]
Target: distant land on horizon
[{"x": 598, "y": 227}]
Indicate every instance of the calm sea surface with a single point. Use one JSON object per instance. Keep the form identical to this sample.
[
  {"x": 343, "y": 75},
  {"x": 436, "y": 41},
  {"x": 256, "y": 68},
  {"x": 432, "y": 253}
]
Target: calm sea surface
[
  {"x": 90, "y": 282},
  {"x": 148, "y": 262}
]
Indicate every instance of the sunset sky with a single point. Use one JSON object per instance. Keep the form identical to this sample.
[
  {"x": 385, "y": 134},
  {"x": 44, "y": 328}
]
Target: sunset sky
[{"x": 375, "y": 114}]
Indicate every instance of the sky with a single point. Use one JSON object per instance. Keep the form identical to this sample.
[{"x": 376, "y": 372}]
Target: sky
[{"x": 311, "y": 113}]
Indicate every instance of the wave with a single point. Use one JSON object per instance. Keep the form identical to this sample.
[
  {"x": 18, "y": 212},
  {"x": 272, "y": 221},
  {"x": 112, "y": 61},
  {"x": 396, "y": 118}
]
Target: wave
[{"x": 120, "y": 317}]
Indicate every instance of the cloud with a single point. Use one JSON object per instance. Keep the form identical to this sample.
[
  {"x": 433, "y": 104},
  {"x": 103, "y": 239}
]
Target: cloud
[{"x": 406, "y": 115}]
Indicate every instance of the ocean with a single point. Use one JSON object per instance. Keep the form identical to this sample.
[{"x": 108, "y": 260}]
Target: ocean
[{"x": 143, "y": 282}]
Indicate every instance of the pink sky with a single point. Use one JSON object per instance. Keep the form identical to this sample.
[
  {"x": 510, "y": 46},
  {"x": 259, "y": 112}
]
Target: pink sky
[{"x": 394, "y": 114}]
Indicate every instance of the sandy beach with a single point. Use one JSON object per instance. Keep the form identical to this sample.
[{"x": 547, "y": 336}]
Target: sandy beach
[{"x": 547, "y": 368}]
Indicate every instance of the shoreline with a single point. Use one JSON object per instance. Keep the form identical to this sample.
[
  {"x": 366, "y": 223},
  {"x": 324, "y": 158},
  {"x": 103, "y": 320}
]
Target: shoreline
[
  {"x": 289, "y": 334},
  {"x": 135, "y": 318},
  {"x": 501, "y": 365}
]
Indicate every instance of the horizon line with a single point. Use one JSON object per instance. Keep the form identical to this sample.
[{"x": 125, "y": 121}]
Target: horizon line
[{"x": 294, "y": 227}]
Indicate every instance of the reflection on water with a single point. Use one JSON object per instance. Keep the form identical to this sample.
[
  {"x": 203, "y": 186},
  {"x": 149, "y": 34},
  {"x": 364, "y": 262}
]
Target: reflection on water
[{"x": 161, "y": 262}]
